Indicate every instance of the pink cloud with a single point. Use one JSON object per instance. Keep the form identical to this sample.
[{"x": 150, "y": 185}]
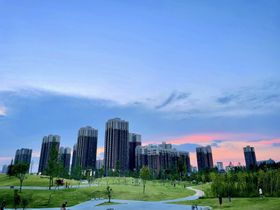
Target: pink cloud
[
  {"x": 100, "y": 151},
  {"x": 3, "y": 111},
  {"x": 230, "y": 147}
]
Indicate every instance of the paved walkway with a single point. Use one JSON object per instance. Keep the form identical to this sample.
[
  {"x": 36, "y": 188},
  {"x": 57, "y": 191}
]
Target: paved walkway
[{"x": 136, "y": 205}]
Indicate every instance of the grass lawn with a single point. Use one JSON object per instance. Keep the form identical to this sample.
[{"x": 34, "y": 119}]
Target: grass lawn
[
  {"x": 268, "y": 203},
  {"x": 31, "y": 180},
  {"x": 130, "y": 191}
]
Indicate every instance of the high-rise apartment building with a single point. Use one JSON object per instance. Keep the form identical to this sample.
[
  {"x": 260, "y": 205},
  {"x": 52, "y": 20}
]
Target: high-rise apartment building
[
  {"x": 23, "y": 155},
  {"x": 250, "y": 157},
  {"x": 64, "y": 158},
  {"x": 99, "y": 164},
  {"x": 161, "y": 157},
  {"x": 134, "y": 141},
  {"x": 116, "y": 145},
  {"x": 87, "y": 148},
  {"x": 74, "y": 157},
  {"x": 204, "y": 158},
  {"x": 49, "y": 142}
]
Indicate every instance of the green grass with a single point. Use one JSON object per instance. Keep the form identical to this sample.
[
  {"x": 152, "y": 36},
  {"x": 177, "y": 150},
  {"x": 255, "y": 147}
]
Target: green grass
[
  {"x": 269, "y": 203},
  {"x": 31, "y": 180},
  {"x": 122, "y": 188},
  {"x": 108, "y": 204},
  {"x": 206, "y": 188}
]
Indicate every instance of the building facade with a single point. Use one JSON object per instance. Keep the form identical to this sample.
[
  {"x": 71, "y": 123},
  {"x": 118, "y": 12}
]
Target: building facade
[
  {"x": 161, "y": 157},
  {"x": 49, "y": 142},
  {"x": 204, "y": 158},
  {"x": 134, "y": 141},
  {"x": 116, "y": 145},
  {"x": 87, "y": 148},
  {"x": 250, "y": 157},
  {"x": 64, "y": 158},
  {"x": 74, "y": 157},
  {"x": 23, "y": 155}
]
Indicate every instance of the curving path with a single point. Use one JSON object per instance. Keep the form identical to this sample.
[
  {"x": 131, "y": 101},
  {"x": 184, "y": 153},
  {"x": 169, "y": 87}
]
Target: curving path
[{"x": 137, "y": 205}]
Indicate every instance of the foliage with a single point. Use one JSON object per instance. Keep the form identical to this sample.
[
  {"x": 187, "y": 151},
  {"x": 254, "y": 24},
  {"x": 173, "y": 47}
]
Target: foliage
[
  {"x": 19, "y": 170},
  {"x": 17, "y": 199},
  {"x": 109, "y": 193},
  {"x": 268, "y": 203},
  {"x": 144, "y": 175},
  {"x": 53, "y": 165},
  {"x": 246, "y": 183}
]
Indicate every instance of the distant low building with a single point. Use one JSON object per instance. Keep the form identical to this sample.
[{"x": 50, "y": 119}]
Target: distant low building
[
  {"x": 266, "y": 162},
  {"x": 220, "y": 166},
  {"x": 5, "y": 169},
  {"x": 161, "y": 157}
]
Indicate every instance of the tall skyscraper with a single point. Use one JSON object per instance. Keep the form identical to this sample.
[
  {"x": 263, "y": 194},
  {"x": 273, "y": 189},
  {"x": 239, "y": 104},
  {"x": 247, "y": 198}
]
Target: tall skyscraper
[
  {"x": 250, "y": 157},
  {"x": 23, "y": 155},
  {"x": 49, "y": 142},
  {"x": 134, "y": 141},
  {"x": 64, "y": 158},
  {"x": 116, "y": 144},
  {"x": 204, "y": 158},
  {"x": 74, "y": 158},
  {"x": 87, "y": 148}
]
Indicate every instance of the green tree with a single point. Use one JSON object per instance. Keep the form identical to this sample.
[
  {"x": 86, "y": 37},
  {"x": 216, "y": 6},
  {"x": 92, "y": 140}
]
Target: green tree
[
  {"x": 17, "y": 199},
  {"x": 144, "y": 175},
  {"x": 53, "y": 165},
  {"x": 20, "y": 170},
  {"x": 109, "y": 193},
  {"x": 182, "y": 168},
  {"x": 118, "y": 168},
  {"x": 89, "y": 176}
]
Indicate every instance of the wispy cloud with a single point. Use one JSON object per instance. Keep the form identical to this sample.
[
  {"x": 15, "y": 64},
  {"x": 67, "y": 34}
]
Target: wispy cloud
[
  {"x": 173, "y": 97},
  {"x": 3, "y": 111}
]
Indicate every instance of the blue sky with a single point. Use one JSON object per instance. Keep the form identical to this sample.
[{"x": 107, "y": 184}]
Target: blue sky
[{"x": 172, "y": 68}]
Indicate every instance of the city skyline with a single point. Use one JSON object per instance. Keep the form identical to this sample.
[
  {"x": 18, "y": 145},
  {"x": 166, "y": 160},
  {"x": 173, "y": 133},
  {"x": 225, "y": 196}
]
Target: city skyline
[{"x": 186, "y": 73}]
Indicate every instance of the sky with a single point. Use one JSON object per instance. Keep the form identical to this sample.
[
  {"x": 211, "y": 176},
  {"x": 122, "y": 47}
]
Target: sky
[{"x": 189, "y": 73}]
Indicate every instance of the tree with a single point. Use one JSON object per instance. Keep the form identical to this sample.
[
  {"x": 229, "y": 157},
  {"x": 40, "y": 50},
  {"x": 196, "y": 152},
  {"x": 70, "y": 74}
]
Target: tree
[
  {"x": 182, "y": 168},
  {"x": 144, "y": 175},
  {"x": 89, "y": 176},
  {"x": 20, "y": 170},
  {"x": 53, "y": 165},
  {"x": 117, "y": 168},
  {"x": 17, "y": 199},
  {"x": 109, "y": 193},
  {"x": 77, "y": 171}
]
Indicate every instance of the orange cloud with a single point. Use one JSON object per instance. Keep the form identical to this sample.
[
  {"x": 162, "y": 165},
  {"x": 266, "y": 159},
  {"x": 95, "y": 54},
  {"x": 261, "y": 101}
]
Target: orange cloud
[{"x": 100, "y": 151}]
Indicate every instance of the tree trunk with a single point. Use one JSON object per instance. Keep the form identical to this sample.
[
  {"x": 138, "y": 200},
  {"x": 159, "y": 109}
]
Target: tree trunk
[
  {"x": 20, "y": 185},
  {"x": 50, "y": 182}
]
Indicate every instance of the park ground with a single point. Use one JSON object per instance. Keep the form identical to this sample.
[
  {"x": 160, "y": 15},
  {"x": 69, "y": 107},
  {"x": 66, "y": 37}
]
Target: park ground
[
  {"x": 124, "y": 189},
  {"x": 268, "y": 203}
]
